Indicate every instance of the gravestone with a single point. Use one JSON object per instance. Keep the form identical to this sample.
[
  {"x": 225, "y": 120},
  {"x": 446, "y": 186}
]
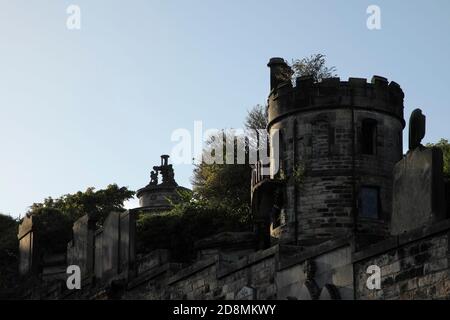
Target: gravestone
[
  {"x": 127, "y": 241},
  {"x": 80, "y": 251},
  {"x": 110, "y": 248},
  {"x": 418, "y": 190},
  {"x": 418, "y": 193},
  {"x": 117, "y": 240},
  {"x": 26, "y": 251}
]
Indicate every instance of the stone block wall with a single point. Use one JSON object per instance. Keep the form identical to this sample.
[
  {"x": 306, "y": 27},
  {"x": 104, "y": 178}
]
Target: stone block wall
[
  {"x": 209, "y": 279},
  {"x": 330, "y": 277},
  {"x": 413, "y": 266}
]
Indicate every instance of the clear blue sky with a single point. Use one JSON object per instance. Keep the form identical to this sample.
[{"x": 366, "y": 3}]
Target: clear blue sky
[{"x": 97, "y": 106}]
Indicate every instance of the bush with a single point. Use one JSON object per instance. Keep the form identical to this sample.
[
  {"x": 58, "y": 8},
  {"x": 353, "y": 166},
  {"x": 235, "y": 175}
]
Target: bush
[
  {"x": 178, "y": 230},
  {"x": 9, "y": 252},
  {"x": 55, "y": 230}
]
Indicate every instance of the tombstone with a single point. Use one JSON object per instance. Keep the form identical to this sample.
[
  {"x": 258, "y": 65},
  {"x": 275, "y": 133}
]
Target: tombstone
[
  {"x": 117, "y": 256},
  {"x": 246, "y": 293},
  {"x": 80, "y": 251},
  {"x": 418, "y": 190},
  {"x": 110, "y": 247},
  {"x": 127, "y": 241},
  {"x": 26, "y": 250}
]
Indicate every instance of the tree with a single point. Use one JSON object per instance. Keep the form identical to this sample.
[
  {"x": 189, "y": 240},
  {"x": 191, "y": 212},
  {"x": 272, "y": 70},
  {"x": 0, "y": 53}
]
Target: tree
[
  {"x": 229, "y": 185},
  {"x": 223, "y": 185},
  {"x": 54, "y": 229},
  {"x": 95, "y": 203},
  {"x": 444, "y": 145},
  {"x": 315, "y": 66},
  {"x": 257, "y": 118}
]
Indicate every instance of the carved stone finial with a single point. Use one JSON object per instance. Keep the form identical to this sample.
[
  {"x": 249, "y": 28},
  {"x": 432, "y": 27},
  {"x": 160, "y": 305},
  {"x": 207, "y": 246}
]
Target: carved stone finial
[{"x": 416, "y": 129}]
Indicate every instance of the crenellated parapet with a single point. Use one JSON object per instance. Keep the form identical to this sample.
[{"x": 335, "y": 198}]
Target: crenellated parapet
[{"x": 285, "y": 99}]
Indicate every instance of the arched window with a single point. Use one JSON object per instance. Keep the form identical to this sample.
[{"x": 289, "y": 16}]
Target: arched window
[{"x": 369, "y": 137}]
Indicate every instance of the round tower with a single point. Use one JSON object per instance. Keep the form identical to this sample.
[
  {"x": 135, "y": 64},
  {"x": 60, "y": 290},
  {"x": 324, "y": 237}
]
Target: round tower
[{"x": 338, "y": 143}]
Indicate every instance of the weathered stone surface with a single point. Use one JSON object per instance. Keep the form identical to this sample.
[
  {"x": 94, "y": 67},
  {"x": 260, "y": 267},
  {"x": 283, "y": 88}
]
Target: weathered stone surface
[
  {"x": 246, "y": 293},
  {"x": 414, "y": 270},
  {"x": 81, "y": 249},
  {"x": 27, "y": 252},
  {"x": 110, "y": 248},
  {"x": 418, "y": 190}
]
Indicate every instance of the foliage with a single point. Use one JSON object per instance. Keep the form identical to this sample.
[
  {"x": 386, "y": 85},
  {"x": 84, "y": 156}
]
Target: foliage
[
  {"x": 256, "y": 118},
  {"x": 95, "y": 203},
  {"x": 224, "y": 185},
  {"x": 9, "y": 251},
  {"x": 229, "y": 185},
  {"x": 55, "y": 230},
  {"x": 54, "y": 218},
  {"x": 298, "y": 174},
  {"x": 178, "y": 229},
  {"x": 444, "y": 145},
  {"x": 315, "y": 66}
]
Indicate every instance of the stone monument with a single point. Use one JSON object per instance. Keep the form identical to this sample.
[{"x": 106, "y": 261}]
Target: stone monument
[{"x": 418, "y": 191}]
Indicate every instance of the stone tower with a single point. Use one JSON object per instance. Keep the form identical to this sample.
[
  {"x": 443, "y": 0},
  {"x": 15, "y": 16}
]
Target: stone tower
[{"x": 338, "y": 144}]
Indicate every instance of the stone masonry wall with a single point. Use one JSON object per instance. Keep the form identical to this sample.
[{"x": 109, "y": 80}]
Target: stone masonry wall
[
  {"x": 321, "y": 142},
  {"x": 417, "y": 269},
  {"x": 209, "y": 279}
]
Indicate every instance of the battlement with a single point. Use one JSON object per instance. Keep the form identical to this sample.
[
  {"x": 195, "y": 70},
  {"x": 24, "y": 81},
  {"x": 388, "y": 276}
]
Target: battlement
[{"x": 378, "y": 95}]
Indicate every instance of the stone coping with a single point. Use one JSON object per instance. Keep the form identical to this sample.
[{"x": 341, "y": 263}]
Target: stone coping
[
  {"x": 313, "y": 252},
  {"x": 402, "y": 239},
  {"x": 148, "y": 275},
  {"x": 192, "y": 269},
  {"x": 247, "y": 261}
]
